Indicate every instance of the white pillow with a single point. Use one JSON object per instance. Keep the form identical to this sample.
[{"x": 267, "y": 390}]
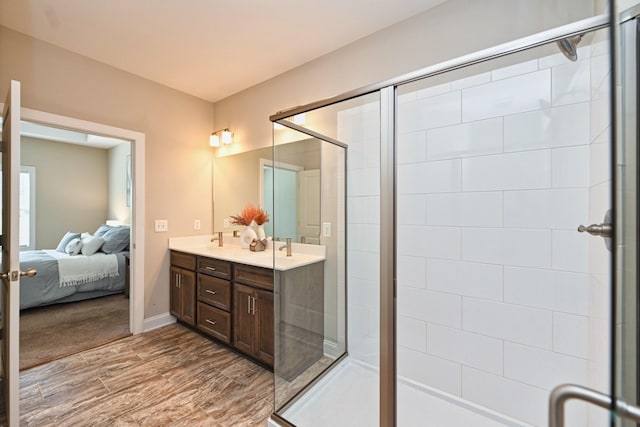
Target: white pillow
[
  {"x": 74, "y": 246},
  {"x": 91, "y": 244},
  {"x": 69, "y": 235}
]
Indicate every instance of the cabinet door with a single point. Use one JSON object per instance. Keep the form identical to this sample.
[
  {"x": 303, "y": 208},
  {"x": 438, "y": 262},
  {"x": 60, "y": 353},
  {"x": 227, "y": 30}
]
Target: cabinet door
[
  {"x": 243, "y": 318},
  {"x": 174, "y": 295},
  {"x": 264, "y": 326},
  {"x": 188, "y": 296}
]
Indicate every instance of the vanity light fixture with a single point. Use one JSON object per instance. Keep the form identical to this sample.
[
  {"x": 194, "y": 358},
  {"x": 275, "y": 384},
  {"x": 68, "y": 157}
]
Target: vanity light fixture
[
  {"x": 224, "y": 134},
  {"x": 227, "y": 136}
]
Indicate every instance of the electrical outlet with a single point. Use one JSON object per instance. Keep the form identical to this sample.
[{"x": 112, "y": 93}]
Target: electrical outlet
[
  {"x": 161, "y": 225},
  {"x": 326, "y": 229},
  {"x": 226, "y": 223},
  {"x": 196, "y": 224}
]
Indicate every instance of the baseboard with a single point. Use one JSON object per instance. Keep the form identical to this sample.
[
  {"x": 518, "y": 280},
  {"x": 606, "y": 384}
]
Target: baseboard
[
  {"x": 330, "y": 349},
  {"x": 157, "y": 321}
]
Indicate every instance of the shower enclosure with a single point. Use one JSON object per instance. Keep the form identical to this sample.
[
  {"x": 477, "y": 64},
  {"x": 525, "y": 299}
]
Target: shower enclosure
[{"x": 470, "y": 285}]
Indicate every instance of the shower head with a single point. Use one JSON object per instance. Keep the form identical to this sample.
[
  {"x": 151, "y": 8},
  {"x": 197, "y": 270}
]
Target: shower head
[{"x": 569, "y": 46}]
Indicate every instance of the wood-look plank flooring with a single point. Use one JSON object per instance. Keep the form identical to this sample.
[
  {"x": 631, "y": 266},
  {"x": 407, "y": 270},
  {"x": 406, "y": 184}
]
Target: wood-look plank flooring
[{"x": 171, "y": 376}]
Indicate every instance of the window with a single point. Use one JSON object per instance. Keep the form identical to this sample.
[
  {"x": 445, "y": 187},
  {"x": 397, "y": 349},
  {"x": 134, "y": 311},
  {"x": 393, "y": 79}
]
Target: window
[
  {"x": 27, "y": 198},
  {"x": 27, "y": 207}
]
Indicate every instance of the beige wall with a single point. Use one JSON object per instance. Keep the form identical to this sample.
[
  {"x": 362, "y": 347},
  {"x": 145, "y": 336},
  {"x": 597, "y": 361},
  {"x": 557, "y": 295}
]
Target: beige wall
[
  {"x": 71, "y": 188},
  {"x": 117, "y": 208},
  {"x": 452, "y": 29},
  {"x": 177, "y": 128}
]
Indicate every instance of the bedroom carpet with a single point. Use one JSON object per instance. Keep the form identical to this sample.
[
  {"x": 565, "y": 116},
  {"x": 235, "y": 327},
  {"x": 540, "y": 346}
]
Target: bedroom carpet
[{"x": 52, "y": 332}]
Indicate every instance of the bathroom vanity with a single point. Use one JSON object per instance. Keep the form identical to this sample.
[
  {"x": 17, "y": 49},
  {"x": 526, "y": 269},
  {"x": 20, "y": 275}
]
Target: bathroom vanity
[{"x": 229, "y": 294}]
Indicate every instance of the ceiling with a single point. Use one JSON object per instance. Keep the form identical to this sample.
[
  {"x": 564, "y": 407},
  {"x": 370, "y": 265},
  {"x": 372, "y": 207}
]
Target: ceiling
[{"x": 207, "y": 48}]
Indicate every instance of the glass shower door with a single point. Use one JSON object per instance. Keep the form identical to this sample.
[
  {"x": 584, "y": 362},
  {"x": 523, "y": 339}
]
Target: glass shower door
[
  {"x": 340, "y": 387},
  {"x": 499, "y": 297}
]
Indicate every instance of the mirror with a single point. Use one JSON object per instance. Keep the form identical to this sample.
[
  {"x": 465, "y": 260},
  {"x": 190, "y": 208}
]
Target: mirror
[{"x": 248, "y": 177}]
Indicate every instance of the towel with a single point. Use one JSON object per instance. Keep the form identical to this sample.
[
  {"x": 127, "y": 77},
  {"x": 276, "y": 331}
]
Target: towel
[{"x": 79, "y": 269}]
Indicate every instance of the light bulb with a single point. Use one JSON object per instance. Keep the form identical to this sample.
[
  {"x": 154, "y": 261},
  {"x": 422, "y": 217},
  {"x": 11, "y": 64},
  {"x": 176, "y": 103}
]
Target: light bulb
[
  {"x": 214, "y": 140},
  {"x": 227, "y": 136}
]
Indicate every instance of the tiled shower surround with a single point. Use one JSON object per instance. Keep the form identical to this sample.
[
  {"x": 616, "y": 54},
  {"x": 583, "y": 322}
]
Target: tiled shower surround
[{"x": 499, "y": 298}]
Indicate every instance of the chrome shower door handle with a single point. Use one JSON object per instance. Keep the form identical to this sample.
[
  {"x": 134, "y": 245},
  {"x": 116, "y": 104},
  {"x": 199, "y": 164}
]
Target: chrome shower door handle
[
  {"x": 604, "y": 229},
  {"x": 565, "y": 392}
]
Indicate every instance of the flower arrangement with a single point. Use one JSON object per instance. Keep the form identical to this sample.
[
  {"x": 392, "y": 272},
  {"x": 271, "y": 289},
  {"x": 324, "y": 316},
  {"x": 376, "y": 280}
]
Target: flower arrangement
[{"x": 248, "y": 214}]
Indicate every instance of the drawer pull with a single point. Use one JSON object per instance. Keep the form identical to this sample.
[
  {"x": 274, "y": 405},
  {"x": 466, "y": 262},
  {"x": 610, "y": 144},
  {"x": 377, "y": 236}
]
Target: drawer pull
[
  {"x": 211, "y": 322},
  {"x": 209, "y": 291},
  {"x": 210, "y": 268}
]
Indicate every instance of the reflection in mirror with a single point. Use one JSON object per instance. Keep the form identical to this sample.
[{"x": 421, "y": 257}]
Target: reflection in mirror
[
  {"x": 296, "y": 175},
  {"x": 249, "y": 178},
  {"x": 236, "y": 182}
]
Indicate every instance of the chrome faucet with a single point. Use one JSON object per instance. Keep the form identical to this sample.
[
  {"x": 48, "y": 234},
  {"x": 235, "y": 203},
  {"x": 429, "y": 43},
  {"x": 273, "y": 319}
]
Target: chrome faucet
[
  {"x": 219, "y": 238},
  {"x": 287, "y": 245},
  {"x": 236, "y": 233}
]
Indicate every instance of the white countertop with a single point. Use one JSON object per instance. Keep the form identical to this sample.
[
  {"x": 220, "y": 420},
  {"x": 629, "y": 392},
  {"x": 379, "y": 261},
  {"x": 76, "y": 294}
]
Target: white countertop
[{"x": 301, "y": 254}]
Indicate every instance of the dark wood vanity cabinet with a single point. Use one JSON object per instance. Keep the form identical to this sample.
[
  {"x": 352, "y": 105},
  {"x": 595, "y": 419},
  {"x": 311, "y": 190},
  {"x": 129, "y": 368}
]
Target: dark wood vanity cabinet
[
  {"x": 182, "y": 299},
  {"x": 230, "y": 302},
  {"x": 253, "y": 312},
  {"x": 214, "y": 298},
  {"x": 253, "y": 322}
]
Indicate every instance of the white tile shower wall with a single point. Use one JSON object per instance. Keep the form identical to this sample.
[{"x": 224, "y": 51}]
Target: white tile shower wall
[
  {"x": 359, "y": 128},
  {"x": 494, "y": 175}
]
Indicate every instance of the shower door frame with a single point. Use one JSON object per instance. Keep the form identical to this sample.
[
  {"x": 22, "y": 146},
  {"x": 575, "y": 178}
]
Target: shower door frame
[{"x": 388, "y": 141}]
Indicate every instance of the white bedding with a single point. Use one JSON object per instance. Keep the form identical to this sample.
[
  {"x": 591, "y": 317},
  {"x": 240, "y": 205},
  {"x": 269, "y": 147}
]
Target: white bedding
[{"x": 79, "y": 269}]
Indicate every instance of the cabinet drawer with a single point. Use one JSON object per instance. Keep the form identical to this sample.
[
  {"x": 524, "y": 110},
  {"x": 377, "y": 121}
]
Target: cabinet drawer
[
  {"x": 214, "y": 291},
  {"x": 180, "y": 259},
  {"x": 254, "y": 276},
  {"x": 215, "y": 267},
  {"x": 214, "y": 322}
]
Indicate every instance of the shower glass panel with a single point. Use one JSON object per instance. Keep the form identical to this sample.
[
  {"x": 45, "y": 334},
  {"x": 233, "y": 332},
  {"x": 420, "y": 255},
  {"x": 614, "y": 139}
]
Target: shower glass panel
[
  {"x": 317, "y": 369},
  {"x": 499, "y": 298}
]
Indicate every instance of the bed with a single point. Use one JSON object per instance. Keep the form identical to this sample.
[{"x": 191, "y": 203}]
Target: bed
[{"x": 83, "y": 266}]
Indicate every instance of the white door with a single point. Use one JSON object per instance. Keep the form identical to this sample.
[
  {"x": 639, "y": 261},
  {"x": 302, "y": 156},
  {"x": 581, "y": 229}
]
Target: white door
[
  {"x": 10, "y": 254},
  {"x": 309, "y": 206}
]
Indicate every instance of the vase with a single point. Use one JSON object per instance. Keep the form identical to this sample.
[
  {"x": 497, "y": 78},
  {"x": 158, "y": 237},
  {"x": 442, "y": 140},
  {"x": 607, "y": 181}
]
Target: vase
[
  {"x": 260, "y": 232},
  {"x": 247, "y": 236}
]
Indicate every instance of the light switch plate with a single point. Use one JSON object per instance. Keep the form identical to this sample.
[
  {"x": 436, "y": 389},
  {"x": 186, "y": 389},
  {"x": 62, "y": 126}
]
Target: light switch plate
[
  {"x": 161, "y": 225},
  {"x": 326, "y": 229},
  {"x": 227, "y": 223},
  {"x": 196, "y": 224}
]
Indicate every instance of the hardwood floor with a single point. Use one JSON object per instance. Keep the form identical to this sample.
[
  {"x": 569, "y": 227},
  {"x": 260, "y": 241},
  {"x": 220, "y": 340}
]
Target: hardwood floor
[{"x": 171, "y": 376}]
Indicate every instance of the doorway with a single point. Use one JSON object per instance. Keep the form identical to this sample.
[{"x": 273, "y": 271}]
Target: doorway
[{"x": 137, "y": 139}]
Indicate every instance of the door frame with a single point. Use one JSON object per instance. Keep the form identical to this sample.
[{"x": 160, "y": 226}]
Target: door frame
[{"x": 136, "y": 300}]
